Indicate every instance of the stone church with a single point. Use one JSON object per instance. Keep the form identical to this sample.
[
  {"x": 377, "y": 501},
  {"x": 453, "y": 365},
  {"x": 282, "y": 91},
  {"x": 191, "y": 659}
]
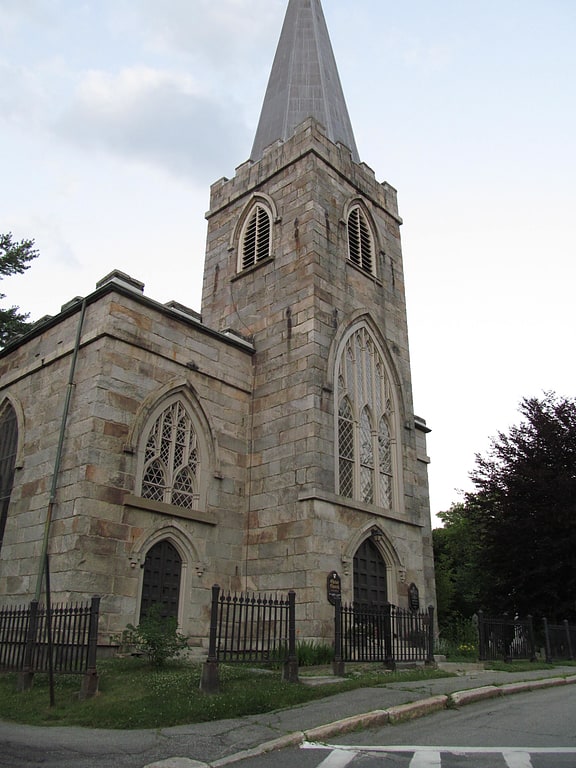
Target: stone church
[{"x": 261, "y": 444}]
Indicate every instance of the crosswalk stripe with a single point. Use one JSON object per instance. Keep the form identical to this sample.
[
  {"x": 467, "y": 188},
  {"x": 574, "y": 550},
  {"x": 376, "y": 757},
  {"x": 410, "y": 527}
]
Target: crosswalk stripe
[
  {"x": 337, "y": 759},
  {"x": 517, "y": 759},
  {"x": 426, "y": 760}
]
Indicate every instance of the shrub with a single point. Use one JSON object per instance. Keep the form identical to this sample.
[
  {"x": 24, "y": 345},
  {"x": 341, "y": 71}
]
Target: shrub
[
  {"x": 157, "y": 636},
  {"x": 311, "y": 653}
]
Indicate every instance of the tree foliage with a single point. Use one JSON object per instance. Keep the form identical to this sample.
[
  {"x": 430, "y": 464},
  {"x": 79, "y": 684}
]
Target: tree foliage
[
  {"x": 456, "y": 558},
  {"x": 15, "y": 258},
  {"x": 512, "y": 544}
]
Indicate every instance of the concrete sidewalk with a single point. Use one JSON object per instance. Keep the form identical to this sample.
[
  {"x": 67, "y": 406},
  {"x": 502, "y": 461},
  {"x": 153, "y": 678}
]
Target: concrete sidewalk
[{"x": 224, "y": 742}]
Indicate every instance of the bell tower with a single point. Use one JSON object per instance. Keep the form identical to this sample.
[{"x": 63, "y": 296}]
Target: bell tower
[{"x": 304, "y": 258}]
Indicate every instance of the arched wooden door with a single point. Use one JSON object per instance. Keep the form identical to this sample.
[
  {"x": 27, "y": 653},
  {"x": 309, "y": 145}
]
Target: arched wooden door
[
  {"x": 162, "y": 572},
  {"x": 370, "y": 576}
]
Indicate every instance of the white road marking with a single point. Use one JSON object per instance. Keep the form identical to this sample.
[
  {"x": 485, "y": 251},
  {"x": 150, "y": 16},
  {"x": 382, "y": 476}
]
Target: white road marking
[
  {"x": 338, "y": 758},
  {"x": 428, "y": 759},
  {"x": 508, "y": 751},
  {"x": 517, "y": 759}
]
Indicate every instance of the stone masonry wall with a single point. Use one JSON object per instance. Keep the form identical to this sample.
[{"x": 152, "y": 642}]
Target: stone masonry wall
[
  {"x": 296, "y": 306},
  {"x": 130, "y": 355}
]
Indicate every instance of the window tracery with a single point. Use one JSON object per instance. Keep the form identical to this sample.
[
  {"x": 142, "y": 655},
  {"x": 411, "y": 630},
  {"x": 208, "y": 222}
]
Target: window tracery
[
  {"x": 365, "y": 423},
  {"x": 171, "y": 459}
]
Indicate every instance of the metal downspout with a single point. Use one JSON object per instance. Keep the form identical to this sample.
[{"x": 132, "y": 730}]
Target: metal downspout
[{"x": 56, "y": 471}]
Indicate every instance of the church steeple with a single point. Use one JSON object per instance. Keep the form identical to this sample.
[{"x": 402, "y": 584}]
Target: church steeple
[{"x": 304, "y": 82}]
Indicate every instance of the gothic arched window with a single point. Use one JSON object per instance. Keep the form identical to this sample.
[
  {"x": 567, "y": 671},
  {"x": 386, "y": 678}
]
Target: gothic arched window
[
  {"x": 360, "y": 241},
  {"x": 8, "y": 450},
  {"x": 365, "y": 423},
  {"x": 171, "y": 466},
  {"x": 256, "y": 236}
]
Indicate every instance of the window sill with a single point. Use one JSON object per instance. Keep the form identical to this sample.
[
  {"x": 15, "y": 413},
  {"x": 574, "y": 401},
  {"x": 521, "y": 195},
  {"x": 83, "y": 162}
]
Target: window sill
[
  {"x": 364, "y": 272},
  {"x": 137, "y": 502},
  {"x": 252, "y": 268},
  {"x": 314, "y": 494}
]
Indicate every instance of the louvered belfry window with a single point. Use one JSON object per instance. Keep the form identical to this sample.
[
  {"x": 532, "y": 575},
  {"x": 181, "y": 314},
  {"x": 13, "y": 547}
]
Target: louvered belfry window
[
  {"x": 255, "y": 241},
  {"x": 365, "y": 423},
  {"x": 171, "y": 463},
  {"x": 360, "y": 241}
]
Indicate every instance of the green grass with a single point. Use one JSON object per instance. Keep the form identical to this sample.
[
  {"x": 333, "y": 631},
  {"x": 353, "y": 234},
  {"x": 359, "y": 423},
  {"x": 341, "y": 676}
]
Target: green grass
[
  {"x": 132, "y": 694},
  {"x": 524, "y": 666}
]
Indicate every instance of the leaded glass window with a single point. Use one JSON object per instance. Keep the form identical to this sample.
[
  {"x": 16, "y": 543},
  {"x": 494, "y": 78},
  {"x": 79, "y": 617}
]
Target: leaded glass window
[
  {"x": 365, "y": 419},
  {"x": 346, "y": 448},
  {"x": 171, "y": 461},
  {"x": 366, "y": 458}
]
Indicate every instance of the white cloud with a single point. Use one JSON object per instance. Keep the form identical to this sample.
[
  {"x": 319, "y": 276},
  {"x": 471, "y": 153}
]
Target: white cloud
[
  {"x": 227, "y": 33},
  {"x": 156, "y": 117}
]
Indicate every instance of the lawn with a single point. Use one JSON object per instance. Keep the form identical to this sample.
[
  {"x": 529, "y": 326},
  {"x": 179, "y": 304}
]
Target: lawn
[{"x": 132, "y": 694}]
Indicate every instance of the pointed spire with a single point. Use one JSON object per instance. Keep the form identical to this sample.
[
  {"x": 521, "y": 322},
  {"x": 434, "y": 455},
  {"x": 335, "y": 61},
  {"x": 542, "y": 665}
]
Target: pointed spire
[{"x": 304, "y": 82}]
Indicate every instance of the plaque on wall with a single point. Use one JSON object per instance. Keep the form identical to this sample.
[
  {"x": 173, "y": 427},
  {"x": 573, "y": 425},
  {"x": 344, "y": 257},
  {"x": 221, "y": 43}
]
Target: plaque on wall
[
  {"x": 334, "y": 587},
  {"x": 413, "y": 597}
]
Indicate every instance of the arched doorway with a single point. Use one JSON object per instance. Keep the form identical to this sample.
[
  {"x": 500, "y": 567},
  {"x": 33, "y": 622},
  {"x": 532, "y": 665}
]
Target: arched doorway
[
  {"x": 370, "y": 576},
  {"x": 161, "y": 584}
]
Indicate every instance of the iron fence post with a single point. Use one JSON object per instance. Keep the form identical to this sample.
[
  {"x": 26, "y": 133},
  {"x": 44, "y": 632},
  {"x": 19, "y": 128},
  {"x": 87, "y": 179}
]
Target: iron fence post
[
  {"x": 210, "y": 680},
  {"x": 338, "y": 663},
  {"x": 430, "y": 636},
  {"x": 90, "y": 680},
  {"x": 547, "y": 640},
  {"x": 481, "y": 638},
  {"x": 389, "y": 660},
  {"x": 26, "y": 674},
  {"x": 291, "y": 664},
  {"x": 532, "y": 639},
  {"x": 569, "y": 639}
]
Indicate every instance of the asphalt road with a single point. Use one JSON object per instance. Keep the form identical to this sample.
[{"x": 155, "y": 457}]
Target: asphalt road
[{"x": 532, "y": 730}]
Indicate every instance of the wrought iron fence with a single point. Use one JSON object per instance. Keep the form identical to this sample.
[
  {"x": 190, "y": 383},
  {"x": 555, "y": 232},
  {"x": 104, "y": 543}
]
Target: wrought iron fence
[
  {"x": 62, "y": 639},
  {"x": 250, "y": 628},
  {"x": 560, "y": 641},
  {"x": 505, "y": 638},
  {"x": 388, "y": 635},
  {"x": 14, "y": 623}
]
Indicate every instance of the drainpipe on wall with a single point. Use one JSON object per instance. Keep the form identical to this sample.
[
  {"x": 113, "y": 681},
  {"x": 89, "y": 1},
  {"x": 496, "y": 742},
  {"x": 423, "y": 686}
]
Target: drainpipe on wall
[{"x": 56, "y": 471}]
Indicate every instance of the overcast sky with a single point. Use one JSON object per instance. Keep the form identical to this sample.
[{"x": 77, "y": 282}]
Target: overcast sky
[{"x": 117, "y": 115}]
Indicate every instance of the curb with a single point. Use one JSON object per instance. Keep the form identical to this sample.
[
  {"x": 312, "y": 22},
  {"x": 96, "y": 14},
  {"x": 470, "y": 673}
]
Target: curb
[
  {"x": 289, "y": 740},
  {"x": 414, "y": 709},
  {"x": 474, "y": 694},
  {"x": 390, "y": 716}
]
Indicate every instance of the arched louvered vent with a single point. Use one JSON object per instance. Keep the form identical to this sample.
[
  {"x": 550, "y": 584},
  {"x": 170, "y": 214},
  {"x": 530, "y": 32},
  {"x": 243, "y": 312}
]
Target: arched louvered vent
[
  {"x": 360, "y": 241},
  {"x": 255, "y": 242}
]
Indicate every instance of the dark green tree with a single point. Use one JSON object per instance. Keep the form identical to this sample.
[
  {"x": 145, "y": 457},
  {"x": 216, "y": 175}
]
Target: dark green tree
[
  {"x": 457, "y": 564},
  {"x": 522, "y": 513},
  {"x": 15, "y": 258}
]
